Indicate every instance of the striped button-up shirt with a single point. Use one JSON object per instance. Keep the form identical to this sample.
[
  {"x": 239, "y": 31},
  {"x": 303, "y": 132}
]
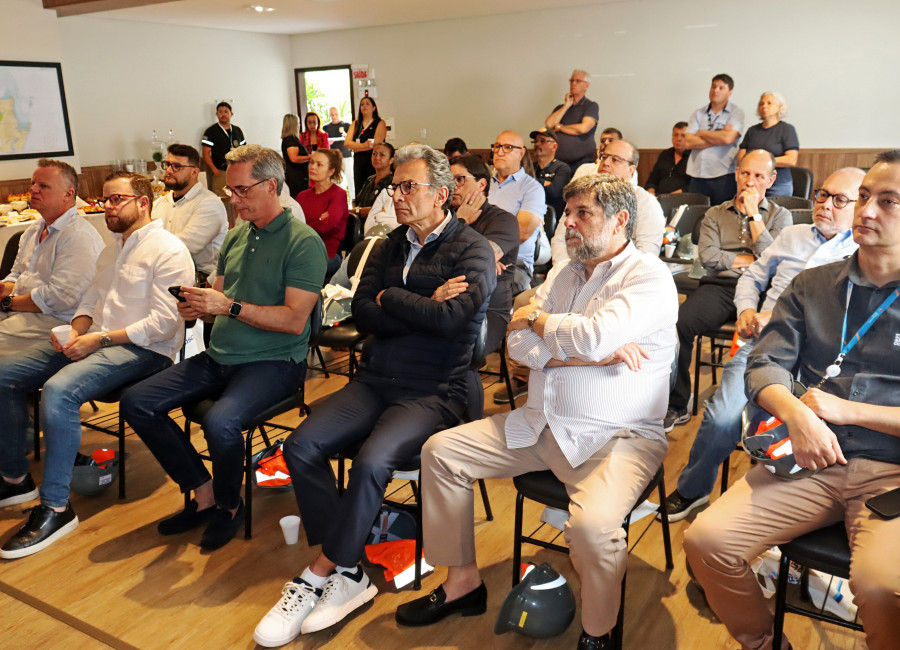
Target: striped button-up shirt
[{"x": 631, "y": 298}]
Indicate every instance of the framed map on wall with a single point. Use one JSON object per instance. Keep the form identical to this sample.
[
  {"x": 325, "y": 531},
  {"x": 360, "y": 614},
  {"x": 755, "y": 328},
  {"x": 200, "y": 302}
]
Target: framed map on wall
[{"x": 34, "y": 120}]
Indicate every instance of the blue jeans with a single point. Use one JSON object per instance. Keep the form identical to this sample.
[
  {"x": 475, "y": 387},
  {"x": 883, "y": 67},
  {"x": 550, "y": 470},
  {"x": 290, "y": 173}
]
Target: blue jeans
[
  {"x": 719, "y": 189},
  {"x": 720, "y": 430},
  {"x": 66, "y": 386},
  {"x": 241, "y": 391},
  {"x": 783, "y": 185}
]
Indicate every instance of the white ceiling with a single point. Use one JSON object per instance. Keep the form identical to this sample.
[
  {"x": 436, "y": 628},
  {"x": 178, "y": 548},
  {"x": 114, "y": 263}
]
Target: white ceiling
[{"x": 304, "y": 16}]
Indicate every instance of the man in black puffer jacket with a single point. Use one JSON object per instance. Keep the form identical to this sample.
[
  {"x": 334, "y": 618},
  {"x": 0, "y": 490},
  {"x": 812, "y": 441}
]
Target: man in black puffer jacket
[{"x": 422, "y": 298}]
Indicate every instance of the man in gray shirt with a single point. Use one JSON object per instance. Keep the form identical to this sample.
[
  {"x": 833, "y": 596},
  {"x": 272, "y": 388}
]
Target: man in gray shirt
[{"x": 575, "y": 122}]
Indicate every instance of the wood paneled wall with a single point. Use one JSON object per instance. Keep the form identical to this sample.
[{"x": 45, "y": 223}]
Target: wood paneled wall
[{"x": 90, "y": 182}]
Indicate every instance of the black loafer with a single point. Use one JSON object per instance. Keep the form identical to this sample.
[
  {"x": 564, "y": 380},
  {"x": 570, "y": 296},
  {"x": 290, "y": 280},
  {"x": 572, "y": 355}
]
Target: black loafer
[
  {"x": 434, "y": 607},
  {"x": 44, "y": 526},
  {"x": 186, "y": 520},
  {"x": 588, "y": 642},
  {"x": 222, "y": 528}
]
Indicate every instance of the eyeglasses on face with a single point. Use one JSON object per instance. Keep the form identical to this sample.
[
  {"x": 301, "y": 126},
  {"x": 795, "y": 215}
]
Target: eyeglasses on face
[
  {"x": 116, "y": 199},
  {"x": 461, "y": 179},
  {"x": 618, "y": 160},
  {"x": 241, "y": 191},
  {"x": 506, "y": 148},
  {"x": 405, "y": 187},
  {"x": 175, "y": 167},
  {"x": 839, "y": 200}
]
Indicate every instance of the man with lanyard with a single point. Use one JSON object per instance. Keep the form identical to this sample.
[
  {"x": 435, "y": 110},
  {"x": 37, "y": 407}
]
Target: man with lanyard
[
  {"x": 218, "y": 140},
  {"x": 713, "y": 135},
  {"x": 838, "y": 327},
  {"x": 575, "y": 122},
  {"x": 796, "y": 248},
  {"x": 550, "y": 172}
]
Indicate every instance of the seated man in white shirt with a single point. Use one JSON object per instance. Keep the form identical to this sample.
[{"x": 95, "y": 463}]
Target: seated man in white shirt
[
  {"x": 600, "y": 341},
  {"x": 620, "y": 158},
  {"x": 54, "y": 264},
  {"x": 127, "y": 327},
  {"x": 382, "y": 213},
  {"x": 190, "y": 211}
]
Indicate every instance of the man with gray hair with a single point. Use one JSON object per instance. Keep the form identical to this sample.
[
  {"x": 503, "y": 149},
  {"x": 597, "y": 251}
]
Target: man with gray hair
[
  {"x": 422, "y": 299},
  {"x": 600, "y": 341},
  {"x": 54, "y": 265},
  {"x": 269, "y": 274},
  {"x": 575, "y": 122}
]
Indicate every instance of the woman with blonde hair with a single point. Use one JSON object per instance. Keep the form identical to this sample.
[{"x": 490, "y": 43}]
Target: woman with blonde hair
[
  {"x": 775, "y": 136},
  {"x": 296, "y": 156}
]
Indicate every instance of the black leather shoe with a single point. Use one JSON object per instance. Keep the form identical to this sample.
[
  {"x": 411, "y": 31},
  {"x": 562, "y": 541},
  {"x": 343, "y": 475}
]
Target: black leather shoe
[
  {"x": 44, "y": 526},
  {"x": 434, "y": 607},
  {"x": 186, "y": 520},
  {"x": 13, "y": 493},
  {"x": 588, "y": 642},
  {"x": 222, "y": 528}
]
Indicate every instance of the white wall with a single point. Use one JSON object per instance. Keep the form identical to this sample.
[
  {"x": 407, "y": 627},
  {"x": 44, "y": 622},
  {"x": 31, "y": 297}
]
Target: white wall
[
  {"x": 124, "y": 79},
  {"x": 651, "y": 64}
]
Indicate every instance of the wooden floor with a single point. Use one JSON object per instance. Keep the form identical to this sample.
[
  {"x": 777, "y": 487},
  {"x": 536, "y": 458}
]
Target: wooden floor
[{"x": 115, "y": 582}]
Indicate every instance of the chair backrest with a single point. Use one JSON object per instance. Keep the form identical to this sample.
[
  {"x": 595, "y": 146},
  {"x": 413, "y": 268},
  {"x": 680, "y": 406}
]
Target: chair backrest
[
  {"x": 792, "y": 202},
  {"x": 474, "y": 388},
  {"x": 803, "y": 182},
  {"x": 670, "y": 202},
  {"x": 354, "y": 232},
  {"x": 802, "y": 216},
  {"x": 551, "y": 220},
  {"x": 695, "y": 231},
  {"x": 315, "y": 322},
  {"x": 356, "y": 255},
  {"x": 9, "y": 254}
]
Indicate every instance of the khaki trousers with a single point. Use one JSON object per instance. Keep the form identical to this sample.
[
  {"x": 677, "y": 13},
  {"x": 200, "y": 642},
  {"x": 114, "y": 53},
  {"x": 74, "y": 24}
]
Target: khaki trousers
[
  {"x": 761, "y": 510},
  {"x": 602, "y": 491},
  {"x": 19, "y": 330}
]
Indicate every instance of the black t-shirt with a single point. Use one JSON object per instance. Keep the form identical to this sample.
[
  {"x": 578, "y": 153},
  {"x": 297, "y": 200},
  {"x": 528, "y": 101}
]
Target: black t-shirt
[
  {"x": 336, "y": 131},
  {"x": 667, "y": 177},
  {"x": 573, "y": 148},
  {"x": 221, "y": 141},
  {"x": 296, "y": 175}
]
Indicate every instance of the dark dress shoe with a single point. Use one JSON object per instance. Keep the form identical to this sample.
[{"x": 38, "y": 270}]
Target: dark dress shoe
[
  {"x": 434, "y": 607},
  {"x": 588, "y": 642},
  {"x": 44, "y": 526},
  {"x": 222, "y": 528},
  {"x": 186, "y": 520}
]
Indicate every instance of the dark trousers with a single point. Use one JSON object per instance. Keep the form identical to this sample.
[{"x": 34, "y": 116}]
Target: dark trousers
[
  {"x": 709, "y": 307},
  {"x": 392, "y": 423},
  {"x": 718, "y": 189},
  {"x": 578, "y": 163},
  {"x": 241, "y": 391}
]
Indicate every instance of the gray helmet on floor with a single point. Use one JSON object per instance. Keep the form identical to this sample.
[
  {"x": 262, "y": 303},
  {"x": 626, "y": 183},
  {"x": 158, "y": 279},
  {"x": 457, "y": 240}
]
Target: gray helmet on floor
[
  {"x": 541, "y": 606},
  {"x": 93, "y": 474}
]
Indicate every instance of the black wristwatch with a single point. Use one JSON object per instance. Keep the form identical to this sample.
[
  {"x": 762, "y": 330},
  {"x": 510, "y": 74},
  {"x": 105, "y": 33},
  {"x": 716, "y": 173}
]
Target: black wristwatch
[
  {"x": 6, "y": 303},
  {"x": 235, "y": 310}
]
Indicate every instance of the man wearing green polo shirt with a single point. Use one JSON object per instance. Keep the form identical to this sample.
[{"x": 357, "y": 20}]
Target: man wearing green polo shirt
[{"x": 269, "y": 274}]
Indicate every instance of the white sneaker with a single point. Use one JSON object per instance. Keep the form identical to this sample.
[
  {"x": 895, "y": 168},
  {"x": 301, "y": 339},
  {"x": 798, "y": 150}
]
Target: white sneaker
[
  {"x": 282, "y": 624},
  {"x": 341, "y": 594}
]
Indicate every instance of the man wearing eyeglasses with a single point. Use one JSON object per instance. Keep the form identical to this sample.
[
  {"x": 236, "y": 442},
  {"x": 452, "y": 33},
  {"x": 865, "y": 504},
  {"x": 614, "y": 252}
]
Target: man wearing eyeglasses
[
  {"x": 190, "y": 211},
  {"x": 268, "y": 277},
  {"x": 575, "y": 122},
  {"x": 125, "y": 328},
  {"x": 422, "y": 299},
  {"x": 799, "y": 247},
  {"x": 553, "y": 174},
  {"x": 54, "y": 263},
  {"x": 518, "y": 193}
]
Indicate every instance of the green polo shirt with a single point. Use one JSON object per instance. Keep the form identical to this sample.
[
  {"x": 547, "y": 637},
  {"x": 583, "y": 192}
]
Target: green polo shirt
[{"x": 258, "y": 264}]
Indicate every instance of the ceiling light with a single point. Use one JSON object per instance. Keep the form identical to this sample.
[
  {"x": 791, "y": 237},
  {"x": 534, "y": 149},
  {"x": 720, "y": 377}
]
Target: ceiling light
[{"x": 259, "y": 8}]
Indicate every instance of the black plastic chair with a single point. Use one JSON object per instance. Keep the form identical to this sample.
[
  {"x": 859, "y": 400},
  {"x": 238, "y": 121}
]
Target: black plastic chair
[
  {"x": 9, "y": 253},
  {"x": 803, "y": 182},
  {"x": 792, "y": 202},
  {"x": 670, "y": 202},
  {"x": 551, "y": 221},
  {"x": 802, "y": 216},
  {"x": 719, "y": 342},
  {"x": 827, "y": 550},
  {"x": 692, "y": 217}
]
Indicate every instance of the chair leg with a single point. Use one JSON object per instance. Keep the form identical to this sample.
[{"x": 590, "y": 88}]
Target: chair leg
[
  {"x": 37, "y": 425},
  {"x": 664, "y": 518},
  {"x": 121, "y": 455},
  {"x": 321, "y": 358},
  {"x": 340, "y": 476},
  {"x": 784, "y": 568},
  {"x": 726, "y": 466},
  {"x": 698, "y": 344},
  {"x": 488, "y": 514},
  {"x": 517, "y": 537},
  {"x": 417, "y": 570},
  {"x": 504, "y": 373},
  {"x": 248, "y": 486}
]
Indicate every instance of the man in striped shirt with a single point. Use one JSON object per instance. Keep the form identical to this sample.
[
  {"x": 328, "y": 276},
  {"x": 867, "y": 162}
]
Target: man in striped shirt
[{"x": 600, "y": 343}]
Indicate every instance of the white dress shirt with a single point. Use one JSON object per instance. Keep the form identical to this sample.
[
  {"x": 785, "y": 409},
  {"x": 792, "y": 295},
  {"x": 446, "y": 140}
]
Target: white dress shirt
[
  {"x": 56, "y": 271},
  {"x": 130, "y": 288},
  {"x": 631, "y": 298},
  {"x": 198, "y": 219},
  {"x": 649, "y": 228}
]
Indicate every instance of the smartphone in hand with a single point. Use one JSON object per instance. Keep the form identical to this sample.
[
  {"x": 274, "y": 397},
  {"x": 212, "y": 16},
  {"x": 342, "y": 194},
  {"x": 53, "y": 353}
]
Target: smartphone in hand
[{"x": 176, "y": 291}]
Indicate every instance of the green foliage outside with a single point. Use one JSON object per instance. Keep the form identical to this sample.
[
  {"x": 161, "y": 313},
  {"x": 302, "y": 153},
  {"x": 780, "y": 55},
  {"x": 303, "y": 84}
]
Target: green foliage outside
[{"x": 317, "y": 102}]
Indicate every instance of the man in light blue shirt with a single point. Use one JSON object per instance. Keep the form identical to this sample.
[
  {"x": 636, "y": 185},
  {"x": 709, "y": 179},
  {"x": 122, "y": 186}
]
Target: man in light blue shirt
[
  {"x": 513, "y": 190},
  {"x": 796, "y": 248},
  {"x": 713, "y": 134}
]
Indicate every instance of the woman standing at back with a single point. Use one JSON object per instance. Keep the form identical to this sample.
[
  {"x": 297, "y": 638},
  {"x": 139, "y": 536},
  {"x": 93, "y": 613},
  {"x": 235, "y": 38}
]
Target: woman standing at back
[
  {"x": 777, "y": 137},
  {"x": 367, "y": 130},
  {"x": 296, "y": 156}
]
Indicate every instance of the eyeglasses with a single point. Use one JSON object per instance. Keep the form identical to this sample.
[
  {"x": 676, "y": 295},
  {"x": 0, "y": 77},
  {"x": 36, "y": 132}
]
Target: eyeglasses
[
  {"x": 116, "y": 199},
  {"x": 618, "y": 160},
  {"x": 507, "y": 148},
  {"x": 175, "y": 167},
  {"x": 839, "y": 200},
  {"x": 405, "y": 187},
  {"x": 461, "y": 179},
  {"x": 578, "y": 81},
  {"x": 240, "y": 191},
  {"x": 543, "y": 140}
]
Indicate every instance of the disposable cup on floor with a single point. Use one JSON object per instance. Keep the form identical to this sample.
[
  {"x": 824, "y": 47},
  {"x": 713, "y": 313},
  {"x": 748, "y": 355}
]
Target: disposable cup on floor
[
  {"x": 290, "y": 526},
  {"x": 63, "y": 333},
  {"x": 670, "y": 250}
]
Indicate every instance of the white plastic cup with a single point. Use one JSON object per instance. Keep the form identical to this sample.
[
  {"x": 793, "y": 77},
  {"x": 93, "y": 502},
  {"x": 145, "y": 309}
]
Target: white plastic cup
[
  {"x": 670, "y": 250},
  {"x": 290, "y": 527},
  {"x": 63, "y": 333}
]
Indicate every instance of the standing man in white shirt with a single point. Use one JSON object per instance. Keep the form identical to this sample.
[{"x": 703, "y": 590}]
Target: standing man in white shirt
[
  {"x": 54, "y": 264},
  {"x": 126, "y": 327},
  {"x": 600, "y": 342},
  {"x": 190, "y": 211}
]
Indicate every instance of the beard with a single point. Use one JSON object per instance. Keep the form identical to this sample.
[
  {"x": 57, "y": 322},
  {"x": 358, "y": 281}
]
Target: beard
[
  {"x": 586, "y": 249},
  {"x": 121, "y": 222},
  {"x": 175, "y": 186}
]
